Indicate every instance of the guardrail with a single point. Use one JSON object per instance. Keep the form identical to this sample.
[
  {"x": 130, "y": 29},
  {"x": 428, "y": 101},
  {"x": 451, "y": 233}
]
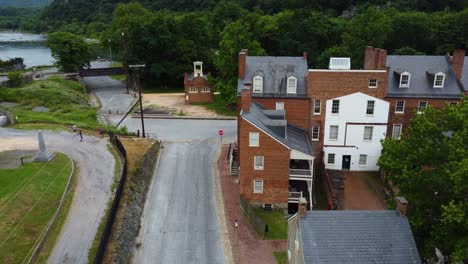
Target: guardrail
[{"x": 115, "y": 203}]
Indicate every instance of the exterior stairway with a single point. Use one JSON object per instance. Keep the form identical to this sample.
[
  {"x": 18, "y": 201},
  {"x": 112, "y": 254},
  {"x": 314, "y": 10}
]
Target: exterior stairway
[{"x": 235, "y": 161}]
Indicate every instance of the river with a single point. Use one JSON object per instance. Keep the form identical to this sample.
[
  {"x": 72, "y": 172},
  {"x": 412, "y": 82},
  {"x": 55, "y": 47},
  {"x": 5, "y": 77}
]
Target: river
[{"x": 30, "y": 47}]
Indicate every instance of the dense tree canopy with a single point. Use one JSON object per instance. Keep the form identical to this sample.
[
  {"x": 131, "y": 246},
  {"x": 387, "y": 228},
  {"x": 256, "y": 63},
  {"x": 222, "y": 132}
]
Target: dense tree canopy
[
  {"x": 69, "y": 50},
  {"x": 430, "y": 167}
]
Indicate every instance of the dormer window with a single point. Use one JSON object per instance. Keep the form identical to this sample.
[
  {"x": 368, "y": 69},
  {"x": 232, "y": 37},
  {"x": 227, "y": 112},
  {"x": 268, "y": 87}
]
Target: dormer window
[
  {"x": 292, "y": 85},
  {"x": 439, "y": 80},
  {"x": 405, "y": 80},
  {"x": 258, "y": 84}
]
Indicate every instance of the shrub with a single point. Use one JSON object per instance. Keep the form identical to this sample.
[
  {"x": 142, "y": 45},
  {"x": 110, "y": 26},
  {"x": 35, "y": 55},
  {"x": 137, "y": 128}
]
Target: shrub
[{"x": 16, "y": 78}]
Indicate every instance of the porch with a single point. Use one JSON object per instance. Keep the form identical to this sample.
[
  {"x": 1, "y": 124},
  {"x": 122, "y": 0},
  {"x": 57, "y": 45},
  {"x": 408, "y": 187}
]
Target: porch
[{"x": 301, "y": 177}]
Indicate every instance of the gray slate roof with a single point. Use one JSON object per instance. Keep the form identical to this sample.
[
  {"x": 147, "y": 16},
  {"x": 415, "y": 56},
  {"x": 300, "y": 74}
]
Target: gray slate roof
[
  {"x": 464, "y": 78},
  {"x": 357, "y": 237},
  {"x": 273, "y": 123},
  {"x": 275, "y": 71},
  {"x": 190, "y": 76},
  {"x": 421, "y": 84}
]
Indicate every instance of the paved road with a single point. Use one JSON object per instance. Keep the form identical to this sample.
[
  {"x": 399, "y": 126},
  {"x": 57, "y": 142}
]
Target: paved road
[
  {"x": 179, "y": 223},
  {"x": 96, "y": 170}
]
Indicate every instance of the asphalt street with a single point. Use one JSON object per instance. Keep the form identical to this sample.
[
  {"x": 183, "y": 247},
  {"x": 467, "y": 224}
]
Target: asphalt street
[{"x": 93, "y": 190}]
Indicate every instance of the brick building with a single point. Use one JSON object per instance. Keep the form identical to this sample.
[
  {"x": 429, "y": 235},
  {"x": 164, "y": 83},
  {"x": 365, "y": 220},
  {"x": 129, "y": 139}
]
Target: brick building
[{"x": 197, "y": 87}]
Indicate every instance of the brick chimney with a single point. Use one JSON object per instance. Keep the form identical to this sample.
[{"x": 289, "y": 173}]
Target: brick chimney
[
  {"x": 369, "y": 58},
  {"x": 381, "y": 59},
  {"x": 302, "y": 207},
  {"x": 304, "y": 55},
  {"x": 402, "y": 205},
  {"x": 458, "y": 59},
  {"x": 246, "y": 99},
  {"x": 242, "y": 58}
]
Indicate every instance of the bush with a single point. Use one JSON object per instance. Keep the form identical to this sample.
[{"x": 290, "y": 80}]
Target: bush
[{"x": 16, "y": 78}]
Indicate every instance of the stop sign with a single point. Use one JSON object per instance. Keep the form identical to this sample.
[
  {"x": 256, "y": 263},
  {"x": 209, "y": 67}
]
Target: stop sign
[{"x": 221, "y": 132}]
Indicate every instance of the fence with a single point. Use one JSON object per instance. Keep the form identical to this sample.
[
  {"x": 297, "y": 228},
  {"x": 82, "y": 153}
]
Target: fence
[
  {"x": 115, "y": 203},
  {"x": 259, "y": 225}
]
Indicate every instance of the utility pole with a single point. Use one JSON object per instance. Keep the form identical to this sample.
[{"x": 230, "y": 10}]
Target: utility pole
[
  {"x": 137, "y": 67},
  {"x": 110, "y": 50},
  {"x": 125, "y": 61}
]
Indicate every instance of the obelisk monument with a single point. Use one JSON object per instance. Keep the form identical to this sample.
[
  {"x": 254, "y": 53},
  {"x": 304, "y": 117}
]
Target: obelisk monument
[{"x": 43, "y": 155}]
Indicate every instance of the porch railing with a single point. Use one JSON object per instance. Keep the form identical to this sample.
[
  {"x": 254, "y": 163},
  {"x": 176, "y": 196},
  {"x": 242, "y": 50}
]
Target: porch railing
[
  {"x": 294, "y": 197},
  {"x": 300, "y": 174}
]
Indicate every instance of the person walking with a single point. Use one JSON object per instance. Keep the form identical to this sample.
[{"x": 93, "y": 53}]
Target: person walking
[
  {"x": 74, "y": 130},
  {"x": 81, "y": 135}
]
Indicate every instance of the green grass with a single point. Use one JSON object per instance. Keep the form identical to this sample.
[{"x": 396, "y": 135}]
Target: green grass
[
  {"x": 220, "y": 107},
  {"x": 117, "y": 77},
  {"x": 29, "y": 196},
  {"x": 281, "y": 257},
  {"x": 276, "y": 221}
]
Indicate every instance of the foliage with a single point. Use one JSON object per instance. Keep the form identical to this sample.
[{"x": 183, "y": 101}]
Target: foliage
[
  {"x": 430, "y": 167},
  {"x": 281, "y": 257},
  {"x": 24, "y": 3},
  {"x": 407, "y": 51},
  {"x": 276, "y": 221},
  {"x": 15, "y": 78},
  {"x": 69, "y": 50}
]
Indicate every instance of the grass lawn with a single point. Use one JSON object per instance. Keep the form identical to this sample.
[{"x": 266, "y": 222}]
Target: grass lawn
[
  {"x": 276, "y": 221},
  {"x": 220, "y": 107},
  {"x": 281, "y": 257},
  {"x": 29, "y": 196}
]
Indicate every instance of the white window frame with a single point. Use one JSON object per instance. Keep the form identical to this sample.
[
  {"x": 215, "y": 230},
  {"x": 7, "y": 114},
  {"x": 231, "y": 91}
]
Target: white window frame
[
  {"x": 371, "y": 128},
  {"x": 407, "y": 83},
  {"x": 419, "y": 106},
  {"x": 317, "y": 105},
  {"x": 371, "y": 85},
  {"x": 257, "y": 84},
  {"x": 254, "y": 139},
  {"x": 361, "y": 156},
  {"x": 441, "y": 85},
  {"x": 330, "y": 155},
  {"x": 279, "y": 106},
  {"x": 372, "y": 108},
  {"x": 260, "y": 187},
  {"x": 337, "y": 107},
  {"x": 396, "y": 107},
  {"x": 315, "y": 130},
  {"x": 291, "y": 89},
  {"x": 259, "y": 165},
  {"x": 205, "y": 90},
  {"x": 193, "y": 90},
  {"x": 399, "y": 131},
  {"x": 337, "y": 131}
]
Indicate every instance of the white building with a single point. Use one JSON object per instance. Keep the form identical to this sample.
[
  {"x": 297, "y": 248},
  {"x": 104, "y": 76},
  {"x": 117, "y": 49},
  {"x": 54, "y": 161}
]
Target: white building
[{"x": 354, "y": 126}]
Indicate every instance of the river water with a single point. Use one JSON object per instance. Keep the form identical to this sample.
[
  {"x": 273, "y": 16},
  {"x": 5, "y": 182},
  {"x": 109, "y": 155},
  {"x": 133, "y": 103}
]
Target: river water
[{"x": 30, "y": 47}]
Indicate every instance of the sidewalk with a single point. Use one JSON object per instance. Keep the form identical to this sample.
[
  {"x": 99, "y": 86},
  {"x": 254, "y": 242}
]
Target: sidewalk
[
  {"x": 250, "y": 248},
  {"x": 358, "y": 195}
]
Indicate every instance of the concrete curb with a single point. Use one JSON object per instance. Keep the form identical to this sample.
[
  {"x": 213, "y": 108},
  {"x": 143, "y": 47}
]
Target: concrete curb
[
  {"x": 186, "y": 117},
  {"x": 228, "y": 249},
  {"x": 45, "y": 234}
]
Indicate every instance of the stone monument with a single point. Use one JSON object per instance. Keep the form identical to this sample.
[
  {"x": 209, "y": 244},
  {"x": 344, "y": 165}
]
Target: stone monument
[{"x": 43, "y": 155}]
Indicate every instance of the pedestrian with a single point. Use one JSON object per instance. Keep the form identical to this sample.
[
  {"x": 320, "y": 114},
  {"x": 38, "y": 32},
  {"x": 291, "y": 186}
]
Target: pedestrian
[
  {"x": 74, "y": 130},
  {"x": 99, "y": 131},
  {"x": 81, "y": 135}
]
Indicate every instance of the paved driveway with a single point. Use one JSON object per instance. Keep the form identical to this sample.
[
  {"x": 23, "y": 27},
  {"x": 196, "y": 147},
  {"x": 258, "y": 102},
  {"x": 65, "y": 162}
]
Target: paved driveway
[
  {"x": 180, "y": 224},
  {"x": 96, "y": 170}
]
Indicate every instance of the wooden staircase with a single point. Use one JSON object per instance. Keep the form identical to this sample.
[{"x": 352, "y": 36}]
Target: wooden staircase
[{"x": 234, "y": 161}]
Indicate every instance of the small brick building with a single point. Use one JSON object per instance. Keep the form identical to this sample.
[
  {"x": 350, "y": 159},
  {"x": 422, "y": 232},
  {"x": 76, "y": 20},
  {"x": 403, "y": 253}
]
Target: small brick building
[{"x": 197, "y": 87}]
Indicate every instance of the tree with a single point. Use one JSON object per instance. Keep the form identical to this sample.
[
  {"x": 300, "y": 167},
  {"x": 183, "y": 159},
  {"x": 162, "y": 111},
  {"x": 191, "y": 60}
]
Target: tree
[
  {"x": 429, "y": 164},
  {"x": 407, "y": 51},
  {"x": 70, "y": 51},
  {"x": 15, "y": 78}
]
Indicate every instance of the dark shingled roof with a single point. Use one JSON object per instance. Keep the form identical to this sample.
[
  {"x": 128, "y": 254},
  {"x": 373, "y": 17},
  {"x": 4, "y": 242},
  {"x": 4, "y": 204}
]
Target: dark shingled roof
[
  {"x": 275, "y": 71},
  {"x": 357, "y": 237},
  {"x": 274, "y": 124},
  {"x": 421, "y": 69},
  {"x": 464, "y": 78},
  {"x": 190, "y": 76}
]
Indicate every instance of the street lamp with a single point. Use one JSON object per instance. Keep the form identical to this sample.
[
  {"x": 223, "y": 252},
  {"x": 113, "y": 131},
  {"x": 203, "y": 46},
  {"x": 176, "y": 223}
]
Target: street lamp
[{"x": 110, "y": 49}]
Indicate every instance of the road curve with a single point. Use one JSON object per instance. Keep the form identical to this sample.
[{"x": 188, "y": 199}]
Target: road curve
[{"x": 93, "y": 189}]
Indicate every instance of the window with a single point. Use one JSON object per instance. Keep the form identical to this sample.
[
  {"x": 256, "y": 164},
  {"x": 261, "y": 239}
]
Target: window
[
  {"x": 396, "y": 133},
  {"x": 258, "y": 162},
  {"x": 372, "y": 83},
  {"x": 335, "y": 106},
  {"x": 362, "y": 160},
  {"x": 421, "y": 107},
  {"x": 258, "y": 186},
  {"x": 368, "y": 132},
  {"x": 258, "y": 84},
  {"x": 317, "y": 104},
  {"x": 405, "y": 80},
  {"x": 331, "y": 158},
  {"x": 453, "y": 104},
  {"x": 400, "y": 107},
  {"x": 292, "y": 84},
  {"x": 193, "y": 90},
  {"x": 205, "y": 90},
  {"x": 315, "y": 133},
  {"x": 439, "y": 80},
  {"x": 333, "y": 132},
  {"x": 370, "y": 107},
  {"x": 279, "y": 105},
  {"x": 253, "y": 139}
]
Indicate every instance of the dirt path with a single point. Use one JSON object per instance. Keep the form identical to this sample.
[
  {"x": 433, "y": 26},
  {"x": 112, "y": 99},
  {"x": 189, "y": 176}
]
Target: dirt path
[{"x": 358, "y": 195}]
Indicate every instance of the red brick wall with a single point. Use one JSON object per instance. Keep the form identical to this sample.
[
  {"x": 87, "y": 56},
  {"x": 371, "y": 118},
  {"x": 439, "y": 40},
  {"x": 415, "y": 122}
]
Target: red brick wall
[
  {"x": 275, "y": 174},
  {"x": 297, "y": 110},
  {"x": 199, "y": 97}
]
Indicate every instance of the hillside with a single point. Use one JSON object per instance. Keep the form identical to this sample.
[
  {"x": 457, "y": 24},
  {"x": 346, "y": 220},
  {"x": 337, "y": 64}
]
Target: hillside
[{"x": 24, "y": 3}]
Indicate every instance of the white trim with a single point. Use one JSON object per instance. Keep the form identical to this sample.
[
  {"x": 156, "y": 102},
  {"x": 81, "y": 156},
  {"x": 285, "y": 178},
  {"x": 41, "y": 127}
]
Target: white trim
[
  {"x": 399, "y": 131},
  {"x": 409, "y": 79},
  {"x": 291, "y": 89},
  {"x": 365, "y": 160},
  {"x": 264, "y": 132},
  {"x": 318, "y": 133},
  {"x": 396, "y": 106},
  {"x": 260, "y": 80},
  {"x": 435, "y": 79},
  {"x": 250, "y": 139},
  {"x": 376, "y": 84},
  {"x": 263, "y": 163},
  {"x": 320, "y": 107},
  {"x": 260, "y": 180},
  {"x": 327, "y": 70},
  {"x": 279, "y": 108},
  {"x": 296, "y": 154}
]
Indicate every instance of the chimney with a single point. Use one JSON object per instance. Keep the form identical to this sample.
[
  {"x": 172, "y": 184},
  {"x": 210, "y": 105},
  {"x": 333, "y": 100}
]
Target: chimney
[
  {"x": 458, "y": 59},
  {"x": 302, "y": 207},
  {"x": 369, "y": 58},
  {"x": 304, "y": 55},
  {"x": 402, "y": 205},
  {"x": 382, "y": 59},
  {"x": 242, "y": 58},
  {"x": 246, "y": 99}
]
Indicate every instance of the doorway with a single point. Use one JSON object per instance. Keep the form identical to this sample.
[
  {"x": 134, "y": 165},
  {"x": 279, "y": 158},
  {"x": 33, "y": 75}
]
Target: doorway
[{"x": 346, "y": 164}]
